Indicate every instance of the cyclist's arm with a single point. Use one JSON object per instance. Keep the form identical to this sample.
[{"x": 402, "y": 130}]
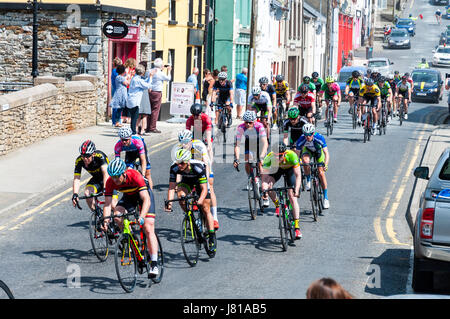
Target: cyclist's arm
[
  {"x": 103, "y": 168},
  {"x": 107, "y": 208},
  {"x": 76, "y": 186},
  {"x": 286, "y": 138},
  {"x": 231, "y": 96},
  {"x": 143, "y": 163},
  {"x": 327, "y": 155},
  {"x": 288, "y": 97},
  {"x": 264, "y": 147},
  {"x": 170, "y": 195}
]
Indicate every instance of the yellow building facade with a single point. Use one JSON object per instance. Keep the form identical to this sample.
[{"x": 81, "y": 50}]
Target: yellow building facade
[{"x": 179, "y": 39}]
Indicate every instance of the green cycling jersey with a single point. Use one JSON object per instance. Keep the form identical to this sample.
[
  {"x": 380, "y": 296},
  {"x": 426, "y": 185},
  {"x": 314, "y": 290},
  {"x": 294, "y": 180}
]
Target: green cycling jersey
[{"x": 288, "y": 160}]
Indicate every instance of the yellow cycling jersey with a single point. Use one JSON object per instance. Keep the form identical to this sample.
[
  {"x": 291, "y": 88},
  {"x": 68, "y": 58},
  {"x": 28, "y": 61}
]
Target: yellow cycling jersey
[
  {"x": 281, "y": 88},
  {"x": 373, "y": 90}
]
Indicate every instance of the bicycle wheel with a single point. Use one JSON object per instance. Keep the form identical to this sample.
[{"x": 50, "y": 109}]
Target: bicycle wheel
[
  {"x": 258, "y": 193},
  {"x": 331, "y": 119},
  {"x": 290, "y": 224},
  {"x": 5, "y": 292},
  {"x": 366, "y": 129},
  {"x": 126, "y": 263},
  {"x": 400, "y": 115},
  {"x": 313, "y": 197},
  {"x": 99, "y": 240},
  {"x": 354, "y": 116},
  {"x": 282, "y": 224},
  {"x": 252, "y": 199},
  {"x": 189, "y": 241},
  {"x": 160, "y": 261}
]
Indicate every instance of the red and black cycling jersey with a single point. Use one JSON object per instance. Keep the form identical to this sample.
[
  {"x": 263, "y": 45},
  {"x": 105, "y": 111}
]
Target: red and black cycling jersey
[
  {"x": 133, "y": 184},
  {"x": 93, "y": 168}
]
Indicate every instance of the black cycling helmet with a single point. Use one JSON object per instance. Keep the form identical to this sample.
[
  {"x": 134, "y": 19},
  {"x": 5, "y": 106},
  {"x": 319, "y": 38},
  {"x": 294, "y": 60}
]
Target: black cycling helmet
[
  {"x": 306, "y": 79},
  {"x": 368, "y": 71},
  {"x": 304, "y": 88},
  {"x": 282, "y": 148},
  {"x": 315, "y": 75},
  {"x": 196, "y": 109},
  {"x": 279, "y": 78},
  {"x": 263, "y": 80},
  {"x": 355, "y": 74},
  {"x": 381, "y": 79}
]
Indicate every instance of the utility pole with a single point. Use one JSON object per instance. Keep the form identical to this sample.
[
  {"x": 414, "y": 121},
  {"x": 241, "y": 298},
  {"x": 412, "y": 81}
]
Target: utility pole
[
  {"x": 328, "y": 56},
  {"x": 34, "y": 62},
  {"x": 251, "y": 51},
  {"x": 372, "y": 23}
]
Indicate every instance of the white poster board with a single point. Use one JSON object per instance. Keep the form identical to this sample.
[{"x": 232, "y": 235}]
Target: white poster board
[{"x": 182, "y": 98}]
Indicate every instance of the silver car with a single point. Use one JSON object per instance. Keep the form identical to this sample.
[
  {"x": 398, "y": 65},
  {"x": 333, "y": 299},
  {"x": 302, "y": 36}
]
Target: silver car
[
  {"x": 432, "y": 225},
  {"x": 382, "y": 65}
]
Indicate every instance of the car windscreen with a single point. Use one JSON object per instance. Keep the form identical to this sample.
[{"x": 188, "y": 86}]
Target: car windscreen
[
  {"x": 404, "y": 22},
  {"x": 425, "y": 77},
  {"x": 443, "y": 50},
  {"x": 344, "y": 76},
  {"x": 445, "y": 171},
  {"x": 377, "y": 64},
  {"x": 399, "y": 34}
]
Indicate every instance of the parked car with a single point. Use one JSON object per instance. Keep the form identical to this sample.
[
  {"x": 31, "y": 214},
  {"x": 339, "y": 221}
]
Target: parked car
[
  {"x": 346, "y": 73},
  {"x": 407, "y": 24},
  {"x": 445, "y": 37},
  {"x": 432, "y": 225},
  {"x": 428, "y": 85},
  {"x": 399, "y": 38},
  {"x": 441, "y": 56},
  {"x": 437, "y": 2},
  {"x": 382, "y": 65},
  {"x": 447, "y": 12}
]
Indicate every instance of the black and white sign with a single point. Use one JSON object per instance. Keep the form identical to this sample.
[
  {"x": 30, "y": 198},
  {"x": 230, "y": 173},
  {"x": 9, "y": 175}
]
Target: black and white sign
[{"x": 115, "y": 29}]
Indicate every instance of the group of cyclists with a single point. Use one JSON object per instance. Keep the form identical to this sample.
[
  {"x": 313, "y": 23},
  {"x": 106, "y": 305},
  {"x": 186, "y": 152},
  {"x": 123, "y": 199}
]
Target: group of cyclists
[{"x": 191, "y": 169}]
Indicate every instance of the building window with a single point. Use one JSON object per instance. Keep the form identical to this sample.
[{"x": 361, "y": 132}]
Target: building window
[
  {"x": 200, "y": 11},
  {"x": 172, "y": 10},
  {"x": 191, "y": 13}
]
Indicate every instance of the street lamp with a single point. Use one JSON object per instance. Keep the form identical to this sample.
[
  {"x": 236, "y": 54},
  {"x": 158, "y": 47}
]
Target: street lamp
[{"x": 34, "y": 61}]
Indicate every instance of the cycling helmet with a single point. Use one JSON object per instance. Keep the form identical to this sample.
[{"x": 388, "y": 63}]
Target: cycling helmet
[
  {"x": 407, "y": 74},
  {"x": 282, "y": 148},
  {"x": 315, "y": 75},
  {"x": 185, "y": 136},
  {"x": 293, "y": 113},
  {"x": 256, "y": 90},
  {"x": 306, "y": 79},
  {"x": 381, "y": 79},
  {"x": 125, "y": 132},
  {"x": 279, "y": 78},
  {"x": 223, "y": 76},
  {"x": 304, "y": 88},
  {"x": 355, "y": 73},
  {"x": 117, "y": 167},
  {"x": 370, "y": 82},
  {"x": 263, "y": 80},
  {"x": 308, "y": 129},
  {"x": 390, "y": 77},
  {"x": 396, "y": 72},
  {"x": 249, "y": 116},
  {"x": 183, "y": 155},
  {"x": 424, "y": 60},
  {"x": 329, "y": 79},
  {"x": 404, "y": 78},
  {"x": 87, "y": 148},
  {"x": 196, "y": 109}
]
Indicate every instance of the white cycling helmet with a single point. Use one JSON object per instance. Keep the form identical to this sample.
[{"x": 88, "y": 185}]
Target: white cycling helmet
[
  {"x": 185, "y": 136},
  {"x": 125, "y": 132},
  {"x": 249, "y": 116},
  {"x": 223, "y": 76},
  {"x": 256, "y": 90},
  {"x": 183, "y": 155},
  {"x": 308, "y": 129}
]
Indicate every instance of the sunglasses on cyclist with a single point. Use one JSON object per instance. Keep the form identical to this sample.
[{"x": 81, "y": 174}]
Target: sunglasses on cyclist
[
  {"x": 249, "y": 123},
  {"x": 308, "y": 134},
  {"x": 86, "y": 155}
]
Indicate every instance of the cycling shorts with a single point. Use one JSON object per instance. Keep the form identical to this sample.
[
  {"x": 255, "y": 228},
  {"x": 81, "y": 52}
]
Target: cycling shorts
[
  {"x": 193, "y": 188},
  {"x": 288, "y": 174},
  {"x": 318, "y": 156},
  {"x": 130, "y": 202}
]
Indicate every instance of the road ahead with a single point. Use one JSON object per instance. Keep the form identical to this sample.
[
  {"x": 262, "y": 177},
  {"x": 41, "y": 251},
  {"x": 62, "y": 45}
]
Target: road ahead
[{"x": 363, "y": 241}]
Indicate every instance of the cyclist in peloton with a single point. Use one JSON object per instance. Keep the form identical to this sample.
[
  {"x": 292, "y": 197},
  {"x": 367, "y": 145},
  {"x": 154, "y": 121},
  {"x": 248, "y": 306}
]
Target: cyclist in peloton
[
  {"x": 254, "y": 135},
  {"x": 136, "y": 191},
  {"x": 287, "y": 164},
  {"x": 259, "y": 101},
  {"x": 293, "y": 126},
  {"x": 95, "y": 162},
  {"x": 371, "y": 92},
  {"x": 199, "y": 152},
  {"x": 270, "y": 89},
  {"x": 318, "y": 82},
  {"x": 306, "y": 102},
  {"x": 312, "y": 144},
  {"x": 393, "y": 84},
  {"x": 223, "y": 96},
  {"x": 385, "y": 92},
  {"x": 332, "y": 92},
  {"x": 352, "y": 88},
  {"x": 135, "y": 148},
  {"x": 282, "y": 92},
  {"x": 404, "y": 93},
  {"x": 201, "y": 126},
  {"x": 193, "y": 179}
]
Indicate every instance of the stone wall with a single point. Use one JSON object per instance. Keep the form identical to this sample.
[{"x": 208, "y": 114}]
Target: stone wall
[{"x": 52, "y": 107}]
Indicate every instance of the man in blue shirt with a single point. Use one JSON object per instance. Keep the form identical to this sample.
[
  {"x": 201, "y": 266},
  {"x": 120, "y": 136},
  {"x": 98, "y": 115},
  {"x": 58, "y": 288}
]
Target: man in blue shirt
[
  {"x": 193, "y": 78},
  {"x": 241, "y": 91}
]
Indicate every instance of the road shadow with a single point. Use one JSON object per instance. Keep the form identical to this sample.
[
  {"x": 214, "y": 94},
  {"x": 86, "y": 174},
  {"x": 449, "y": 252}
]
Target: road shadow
[
  {"x": 83, "y": 225},
  {"x": 70, "y": 255},
  {"x": 267, "y": 244},
  {"x": 161, "y": 187}
]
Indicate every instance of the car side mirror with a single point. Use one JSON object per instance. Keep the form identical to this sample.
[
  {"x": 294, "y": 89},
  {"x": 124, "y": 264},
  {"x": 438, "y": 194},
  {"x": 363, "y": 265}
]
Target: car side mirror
[
  {"x": 392, "y": 62},
  {"x": 422, "y": 172}
]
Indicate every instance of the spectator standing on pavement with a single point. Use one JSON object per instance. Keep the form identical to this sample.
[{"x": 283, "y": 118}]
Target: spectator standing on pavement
[
  {"x": 138, "y": 85},
  {"x": 130, "y": 66},
  {"x": 193, "y": 78},
  {"x": 119, "y": 99},
  {"x": 241, "y": 91},
  {"x": 156, "y": 94},
  {"x": 327, "y": 288},
  {"x": 447, "y": 87},
  {"x": 116, "y": 62},
  {"x": 144, "y": 107}
]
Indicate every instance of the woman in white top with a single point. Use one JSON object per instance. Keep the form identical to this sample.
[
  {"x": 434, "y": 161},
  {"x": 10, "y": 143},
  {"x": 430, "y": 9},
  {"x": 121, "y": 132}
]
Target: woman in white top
[{"x": 155, "y": 95}]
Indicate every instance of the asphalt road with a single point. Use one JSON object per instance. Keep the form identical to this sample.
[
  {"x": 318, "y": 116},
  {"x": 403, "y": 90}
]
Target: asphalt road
[{"x": 363, "y": 241}]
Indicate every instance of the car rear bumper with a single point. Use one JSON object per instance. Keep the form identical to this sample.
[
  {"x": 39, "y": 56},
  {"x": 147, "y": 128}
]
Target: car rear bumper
[
  {"x": 395, "y": 46},
  {"x": 441, "y": 63},
  {"x": 434, "y": 252}
]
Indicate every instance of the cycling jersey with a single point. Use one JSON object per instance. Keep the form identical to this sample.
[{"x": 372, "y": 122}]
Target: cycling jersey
[
  {"x": 334, "y": 89},
  {"x": 304, "y": 102},
  {"x": 281, "y": 88},
  {"x": 270, "y": 90},
  {"x": 311, "y": 86},
  {"x": 296, "y": 129},
  {"x": 370, "y": 91},
  {"x": 242, "y": 130},
  {"x": 205, "y": 120},
  {"x": 393, "y": 85},
  {"x": 318, "y": 84},
  {"x": 193, "y": 176},
  {"x": 288, "y": 160},
  {"x": 223, "y": 91},
  {"x": 403, "y": 87},
  {"x": 93, "y": 168},
  {"x": 384, "y": 89},
  {"x": 317, "y": 144},
  {"x": 132, "y": 151},
  {"x": 353, "y": 83},
  {"x": 261, "y": 104},
  {"x": 198, "y": 150}
]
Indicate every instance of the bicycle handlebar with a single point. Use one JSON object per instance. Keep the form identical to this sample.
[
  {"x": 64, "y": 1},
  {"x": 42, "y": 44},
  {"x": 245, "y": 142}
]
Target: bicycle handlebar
[
  {"x": 195, "y": 197},
  {"x": 86, "y": 197},
  {"x": 279, "y": 189}
]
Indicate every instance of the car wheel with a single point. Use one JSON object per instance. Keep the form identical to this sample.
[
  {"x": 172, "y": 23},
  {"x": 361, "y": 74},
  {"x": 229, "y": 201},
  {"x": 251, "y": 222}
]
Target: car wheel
[{"x": 422, "y": 281}]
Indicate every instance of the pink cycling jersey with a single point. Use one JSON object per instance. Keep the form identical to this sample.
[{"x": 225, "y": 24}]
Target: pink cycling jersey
[
  {"x": 332, "y": 90},
  {"x": 243, "y": 131}
]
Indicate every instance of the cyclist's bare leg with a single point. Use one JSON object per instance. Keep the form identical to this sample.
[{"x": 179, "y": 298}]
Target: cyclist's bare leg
[
  {"x": 322, "y": 177},
  {"x": 267, "y": 183},
  {"x": 182, "y": 191},
  {"x": 294, "y": 203},
  {"x": 90, "y": 201},
  {"x": 152, "y": 241},
  {"x": 206, "y": 209}
]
